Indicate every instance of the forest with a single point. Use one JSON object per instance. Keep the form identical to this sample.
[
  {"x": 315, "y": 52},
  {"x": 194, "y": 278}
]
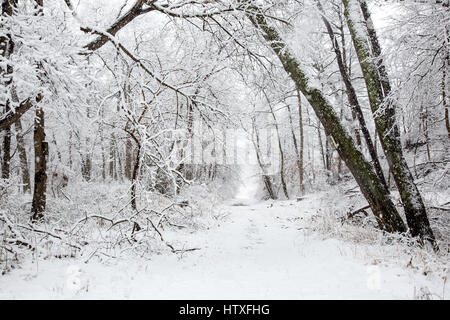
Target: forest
[{"x": 182, "y": 149}]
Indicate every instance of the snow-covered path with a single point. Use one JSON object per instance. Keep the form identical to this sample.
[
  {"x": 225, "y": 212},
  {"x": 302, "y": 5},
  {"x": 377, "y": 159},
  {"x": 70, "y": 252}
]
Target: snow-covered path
[{"x": 260, "y": 251}]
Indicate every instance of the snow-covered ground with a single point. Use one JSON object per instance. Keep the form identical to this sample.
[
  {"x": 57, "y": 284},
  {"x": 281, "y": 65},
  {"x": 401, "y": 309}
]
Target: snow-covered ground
[{"x": 258, "y": 251}]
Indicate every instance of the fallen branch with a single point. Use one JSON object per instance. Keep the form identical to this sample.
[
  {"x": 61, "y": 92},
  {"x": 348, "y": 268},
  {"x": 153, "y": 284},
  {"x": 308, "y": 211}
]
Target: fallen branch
[
  {"x": 168, "y": 244},
  {"x": 47, "y": 233},
  {"x": 441, "y": 208},
  {"x": 361, "y": 210}
]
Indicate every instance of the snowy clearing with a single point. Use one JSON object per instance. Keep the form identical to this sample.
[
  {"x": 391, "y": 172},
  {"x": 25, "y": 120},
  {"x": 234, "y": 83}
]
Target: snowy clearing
[{"x": 258, "y": 251}]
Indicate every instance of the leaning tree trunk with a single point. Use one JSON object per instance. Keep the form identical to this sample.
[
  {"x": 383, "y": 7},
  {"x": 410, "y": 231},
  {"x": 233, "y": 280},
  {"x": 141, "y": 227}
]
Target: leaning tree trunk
[
  {"x": 383, "y": 109},
  {"x": 374, "y": 191}
]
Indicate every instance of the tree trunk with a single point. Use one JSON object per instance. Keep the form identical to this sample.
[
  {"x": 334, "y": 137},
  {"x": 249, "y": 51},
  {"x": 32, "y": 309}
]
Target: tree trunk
[
  {"x": 445, "y": 97},
  {"x": 58, "y": 152},
  {"x": 134, "y": 176},
  {"x": 322, "y": 151},
  {"x": 40, "y": 167},
  {"x": 280, "y": 148},
  {"x": 297, "y": 152},
  {"x": 6, "y": 146},
  {"x": 112, "y": 159},
  {"x": 128, "y": 159},
  {"x": 86, "y": 162},
  {"x": 266, "y": 178},
  {"x": 379, "y": 88},
  {"x": 70, "y": 150},
  {"x": 118, "y": 166},
  {"x": 23, "y": 157},
  {"x": 375, "y": 192},
  {"x": 102, "y": 146},
  {"x": 328, "y": 154},
  {"x": 40, "y": 158},
  {"x": 6, "y": 49},
  {"x": 302, "y": 143}
]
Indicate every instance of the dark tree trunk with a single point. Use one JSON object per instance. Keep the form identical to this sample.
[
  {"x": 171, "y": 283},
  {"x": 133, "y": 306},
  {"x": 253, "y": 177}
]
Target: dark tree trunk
[
  {"x": 40, "y": 158},
  {"x": 6, "y": 146},
  {"x": 40, "y": 167},
  {"x": 102, "y": 140},
  {"x": 6, "y": 49},
  {"x": 118, "y": 166},
  {"x": 112, "y": 158},
  {"x": 328, "y": 154},
  {"x": 86, "y": 162},
  {"x": 134, "y": 176},
  {"x": 445, "y": 97},
  {"x": 128, "y": 159}
]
